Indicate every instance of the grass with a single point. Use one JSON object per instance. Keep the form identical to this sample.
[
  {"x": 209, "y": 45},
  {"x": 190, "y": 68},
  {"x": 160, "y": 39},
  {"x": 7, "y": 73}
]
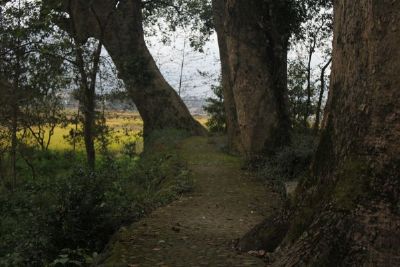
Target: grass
[
  {"x": 66, "y": 213},
  {"x": 60, "y": 212}
]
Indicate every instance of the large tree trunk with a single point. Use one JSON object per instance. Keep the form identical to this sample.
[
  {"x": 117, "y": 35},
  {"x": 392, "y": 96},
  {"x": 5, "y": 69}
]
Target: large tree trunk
[
  {"x": 119, "y": 27},
  {"x": 227, "y": 81},
  {"x": 254, "y": 55},
  {"x": 348, "y": 213}
]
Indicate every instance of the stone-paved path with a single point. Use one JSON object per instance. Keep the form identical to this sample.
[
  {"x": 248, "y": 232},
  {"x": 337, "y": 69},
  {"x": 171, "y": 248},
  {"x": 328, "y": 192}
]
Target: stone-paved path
[{"x": 199, "y": 229}]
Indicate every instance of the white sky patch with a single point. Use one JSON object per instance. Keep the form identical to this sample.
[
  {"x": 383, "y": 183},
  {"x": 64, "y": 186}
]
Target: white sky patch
[{"x": 169, "y": 59}]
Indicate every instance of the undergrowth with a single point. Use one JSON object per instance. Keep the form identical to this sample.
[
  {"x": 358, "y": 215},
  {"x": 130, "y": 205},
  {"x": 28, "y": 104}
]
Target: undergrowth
[
  {"x": 291, "y": 163},
  {"x": 67, "y": 214}
]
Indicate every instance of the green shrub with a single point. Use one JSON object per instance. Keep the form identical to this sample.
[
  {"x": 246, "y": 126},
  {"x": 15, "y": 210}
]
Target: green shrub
[
  {"x": 63, "y": 219},
  {"x": 291, "y": 162},
  {"x": 216, "y": 111}
]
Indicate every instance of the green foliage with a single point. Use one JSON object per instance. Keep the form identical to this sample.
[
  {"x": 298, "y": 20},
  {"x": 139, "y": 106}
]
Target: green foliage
[
  {"x": 166, "y": 16},
  {"x": 130, "y": 149},
  {"x": 74, "y": 257},
  {"x": 64, "y": 216},
  {"x": 216, "y": 111},
  {"x": 297, "y": 83},
  {"x": 103, "y": 135},
  {"x": 300, "y": 12},
  {"x": 291, "y": 162},
  {"x": 30, "y": 104}
]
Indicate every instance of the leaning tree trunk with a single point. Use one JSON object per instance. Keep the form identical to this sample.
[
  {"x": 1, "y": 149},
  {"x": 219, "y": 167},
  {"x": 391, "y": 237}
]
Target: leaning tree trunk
[
  {"x": 119, "y": 27},
  {"x": 227, "y": 82},
  {"x": 348, "y": 213},
  {"x": 321, "y": 96},
  {"x": 254, "y": 55}
]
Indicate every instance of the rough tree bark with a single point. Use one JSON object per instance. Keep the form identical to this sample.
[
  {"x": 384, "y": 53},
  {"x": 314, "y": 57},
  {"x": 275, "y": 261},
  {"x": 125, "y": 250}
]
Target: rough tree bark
[
  {"x": 120, "y": 25},
  {"x": 227, "y": 82},
  {"x": 253, "y": 44},
  {"x": 348, "y": 213}
]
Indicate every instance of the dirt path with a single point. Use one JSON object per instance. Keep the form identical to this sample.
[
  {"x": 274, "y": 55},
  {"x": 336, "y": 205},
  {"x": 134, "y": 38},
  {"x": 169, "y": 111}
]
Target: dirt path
[{"x": 199, "y": 229}]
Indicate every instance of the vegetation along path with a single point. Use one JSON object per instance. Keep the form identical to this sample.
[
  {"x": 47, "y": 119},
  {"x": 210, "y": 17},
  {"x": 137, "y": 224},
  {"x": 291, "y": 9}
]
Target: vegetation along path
[{"x": 199, "y": 229}]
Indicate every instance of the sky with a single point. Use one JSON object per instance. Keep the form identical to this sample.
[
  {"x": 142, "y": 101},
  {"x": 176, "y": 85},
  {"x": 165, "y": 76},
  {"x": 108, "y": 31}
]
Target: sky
[
  {"x": 169, "y": 59},
  {"x": 194, "y": 84}
]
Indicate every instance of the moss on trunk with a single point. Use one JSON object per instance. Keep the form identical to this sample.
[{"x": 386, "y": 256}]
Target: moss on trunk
[{"x": 347, "y": 213}]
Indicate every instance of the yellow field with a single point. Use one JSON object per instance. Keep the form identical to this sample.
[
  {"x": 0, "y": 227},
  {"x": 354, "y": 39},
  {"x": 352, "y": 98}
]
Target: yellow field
[{"x": 125, "y": 128}]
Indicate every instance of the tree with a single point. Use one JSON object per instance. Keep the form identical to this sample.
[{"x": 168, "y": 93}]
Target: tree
[
  {"x": 297, "y": 84},
  {"x": 88, "y": 71},
  {"x": 253, "y": 50},
  {"x": 25, "y": 65},
  {"x": 12, "y": 66},
  {"x": 16, "y": 44},
  {"x": 232, "y": 124},
  {"x": 249, "y": 66},
  {"x": 215, "y": 109},
  {"x": 3, "y": 149},
  {"x": 46, "y": 112},
  {"x": 346, "y": 214},
  {"x": 4, "y": 133},
  {"x": 305, "y": 94},
  {"x": 321, "y": 94},
  {"x": 316, "y": 34},
  {"x": 122, "y": 26}
]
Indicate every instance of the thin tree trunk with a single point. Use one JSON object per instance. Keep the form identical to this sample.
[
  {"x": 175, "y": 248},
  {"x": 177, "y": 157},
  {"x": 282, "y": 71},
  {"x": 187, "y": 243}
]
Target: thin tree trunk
[
  {"x": 51, "y": 133},
  {"x": 182, "y": 67},
  {"x": 88, "y": 106},
  {"x": 6, "y": 93},
  {"x": 90, "y": 121},
  {"x": 88, "y": 130},
  {"x": 30, "y": 165},
  {"x": 309, "y": 92},
  {"x": 87, "y": 84},
  {"x": 15, "y": 112},
  {"x": 14, "y": 144},
  {"x": 76, "y": 128},
  {"x": 321, "y": 96}
]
